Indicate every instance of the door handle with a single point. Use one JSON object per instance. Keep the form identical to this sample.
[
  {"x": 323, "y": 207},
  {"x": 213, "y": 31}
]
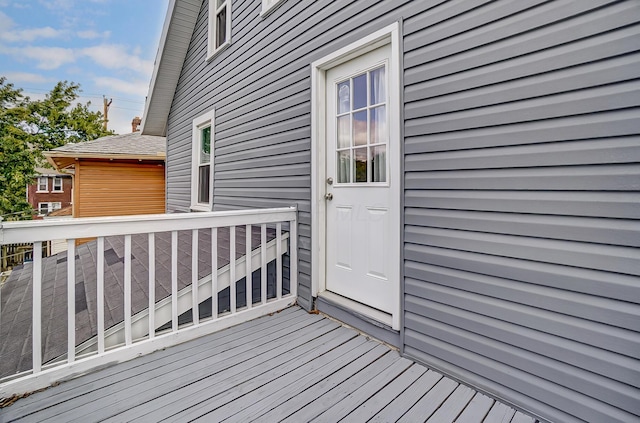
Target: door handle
[
  {"x": 328, "y": 196},
  {"x": 330, "y": 180}
]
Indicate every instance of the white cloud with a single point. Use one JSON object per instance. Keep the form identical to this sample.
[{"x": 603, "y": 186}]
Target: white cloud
[
  {"x": 9, "y": 33},
  {"x": 45, "y": 57},
  {"x": 112, "y": 56},
  {"x": 91, "y": 34},
  {"x": 21, "y": 77},
  {"x": 131, "y": 88}
]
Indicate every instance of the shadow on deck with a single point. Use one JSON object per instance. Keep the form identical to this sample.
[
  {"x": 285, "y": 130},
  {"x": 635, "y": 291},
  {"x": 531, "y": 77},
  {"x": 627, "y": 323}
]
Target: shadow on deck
[{"x": 290, "y": 366}]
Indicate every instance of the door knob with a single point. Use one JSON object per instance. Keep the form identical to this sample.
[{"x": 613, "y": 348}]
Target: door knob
[
  {"x": 328, "y": 196},
  {"x": 330, "y": 180}
]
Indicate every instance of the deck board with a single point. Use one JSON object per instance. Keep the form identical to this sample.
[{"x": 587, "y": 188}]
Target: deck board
[{"x": 290, "y": 366}]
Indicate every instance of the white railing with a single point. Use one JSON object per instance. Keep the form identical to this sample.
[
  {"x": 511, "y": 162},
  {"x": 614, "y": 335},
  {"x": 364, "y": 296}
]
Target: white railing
[{"x": 139, "y": 333}]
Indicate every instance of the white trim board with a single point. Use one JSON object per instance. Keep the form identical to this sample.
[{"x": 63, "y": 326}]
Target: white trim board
[{"x": 387, "y": 35}]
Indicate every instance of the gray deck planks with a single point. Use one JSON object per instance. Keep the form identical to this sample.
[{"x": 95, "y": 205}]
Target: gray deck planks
[
  {"x": 341, "y": 409},
  {"x": 323, "y": 386},
  {"x": 385, "y": 395},
  {"x": 105, "y": 377},
  {"x": 291, "y": 366},
  {"x": 394, "y": 410},
  {"x": 499, "y": 413},
  {"x": 429, "y": 403},
  {"x": 453, "y": 406},
  {"x": 318, "y": 346},
  {"x": 476, "y": 410}
]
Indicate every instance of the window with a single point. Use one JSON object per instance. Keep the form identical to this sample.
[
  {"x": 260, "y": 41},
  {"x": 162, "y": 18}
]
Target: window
[
  {"x": 269, "y": 6},
  {"x": 202, "y": 162},
  {"x": 46, "y": 208},
  {"x": 219, "y": 26},
  {"x": 57, "y": 184},
  {"x": 43, "y": 184}
]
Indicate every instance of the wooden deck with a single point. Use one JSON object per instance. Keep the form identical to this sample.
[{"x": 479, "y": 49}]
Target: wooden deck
[{"x": 291, "y": 366}]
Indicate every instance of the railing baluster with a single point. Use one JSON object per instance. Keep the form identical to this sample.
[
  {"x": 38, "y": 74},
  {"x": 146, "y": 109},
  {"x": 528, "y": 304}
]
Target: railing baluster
[
  {"x": 127, "y": 290},
  {"x": 214, "y": 273},
  {"x": 263, "y": 263},
  {"x": 194, "y": 277},
  {"x": 232, "y": 268},
  {"x": 152, "y": 285},
  {"x": 37, "y": 307},
  {"x": 174, "y": 281},
  {"x": 100, "y": 294},
  {"x": 248, "y": 281},
  {"x": 71, "y": 300},
  {"x": 279, "y": 260},
  {"x": 293, "y": 257}
]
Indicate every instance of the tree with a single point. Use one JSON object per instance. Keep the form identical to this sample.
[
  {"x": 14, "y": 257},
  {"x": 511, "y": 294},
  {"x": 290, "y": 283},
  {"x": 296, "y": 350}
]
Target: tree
[{"x": 29, "y": 127}]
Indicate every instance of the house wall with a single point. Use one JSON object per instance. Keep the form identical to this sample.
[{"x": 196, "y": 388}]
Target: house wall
[
  {"x": 34, "y": 197},
  {"x": 113, "y": 188},
  {"x": 521, "y": 125}
]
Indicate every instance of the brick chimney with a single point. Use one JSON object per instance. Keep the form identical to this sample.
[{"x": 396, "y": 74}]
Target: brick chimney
[{"x": 135, "y": 123}]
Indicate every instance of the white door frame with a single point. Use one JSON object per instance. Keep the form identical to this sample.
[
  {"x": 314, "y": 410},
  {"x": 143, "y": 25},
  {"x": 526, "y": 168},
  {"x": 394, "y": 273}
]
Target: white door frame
[{"x": 386, "y": 35}]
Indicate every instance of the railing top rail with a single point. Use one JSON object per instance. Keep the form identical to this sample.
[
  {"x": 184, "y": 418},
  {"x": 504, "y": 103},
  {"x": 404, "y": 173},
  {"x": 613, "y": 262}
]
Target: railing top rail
[{"x": 88, "y": 227}]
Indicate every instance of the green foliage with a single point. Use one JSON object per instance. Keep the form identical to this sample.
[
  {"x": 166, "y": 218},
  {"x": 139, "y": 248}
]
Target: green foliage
[{"x": 29, "y": 127}]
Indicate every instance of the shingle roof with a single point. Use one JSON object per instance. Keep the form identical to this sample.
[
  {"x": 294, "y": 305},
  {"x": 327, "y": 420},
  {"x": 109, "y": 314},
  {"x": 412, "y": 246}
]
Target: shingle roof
[{"x": 132, "y": 144}]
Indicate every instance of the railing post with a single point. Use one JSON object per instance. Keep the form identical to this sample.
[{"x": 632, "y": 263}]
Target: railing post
[
  {"x": 278, "y": 260},
  {"x": 263, "y": 263},
  {"x": 71, "y": 300},
  {"x": 214, "y": 273},
  {"x": 293, "y": 256},
  {"x": 174, "y": 281},
  {"x": 152, "y": 285},
  {"x": 232, "y": 268},
  {"x": 37, "y": 307},
  {"x": 100, "y": 294},
  {"x": 127, "y": 290},
  {"x": 247, "y": 262},
  {"x": 195, "y": 311}
]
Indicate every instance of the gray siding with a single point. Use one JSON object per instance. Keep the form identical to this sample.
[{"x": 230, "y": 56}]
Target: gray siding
[
  {"x": 521, "y": 185},
  {"x": 521, "y": 202}
]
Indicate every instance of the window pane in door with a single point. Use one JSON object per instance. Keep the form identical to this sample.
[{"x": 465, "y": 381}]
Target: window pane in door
[
  {"x": 344, "y": 97},
  {"x": 360, "y": 164},
  {"x": 203, "y": 184},
  {"x": 221, "y": 27},
  {"x": 379, "y": 164},
  {"x": 360, "y": 128},
  {"x": 378, "y": 125},
  {"x": 343, "y": 166},
  {"x": 360, "y": 91},
  {"x": 344, "y": 132},
  {"x": 377, "y": 82}
]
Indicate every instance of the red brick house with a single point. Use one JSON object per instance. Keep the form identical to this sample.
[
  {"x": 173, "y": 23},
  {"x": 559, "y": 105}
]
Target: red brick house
[{"x": 51, "y": 191}]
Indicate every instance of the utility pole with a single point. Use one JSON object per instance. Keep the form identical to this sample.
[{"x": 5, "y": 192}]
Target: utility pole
[{"x": 106, "y": 105}]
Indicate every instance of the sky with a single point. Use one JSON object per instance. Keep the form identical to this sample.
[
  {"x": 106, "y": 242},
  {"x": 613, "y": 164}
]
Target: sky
[{"x": 106, "y": 46}]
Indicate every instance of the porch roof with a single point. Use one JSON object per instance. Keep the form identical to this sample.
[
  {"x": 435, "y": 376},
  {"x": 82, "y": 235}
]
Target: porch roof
[{"x": 290, "y": 366}]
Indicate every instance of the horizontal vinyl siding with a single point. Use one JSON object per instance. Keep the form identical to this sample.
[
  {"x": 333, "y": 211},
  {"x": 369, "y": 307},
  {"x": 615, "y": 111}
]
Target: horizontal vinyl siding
[
  {"x": 522, "y": 201},
  {"x": 117, "y": 189},
  {"x": 260, "y": 88}
]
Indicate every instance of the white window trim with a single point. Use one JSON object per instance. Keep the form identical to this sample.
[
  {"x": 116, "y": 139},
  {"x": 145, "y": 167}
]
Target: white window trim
[
  {"x": 208, "y": 119},
  {"x": 387, "y": 35},
  {"x": 51, "y": 207},
  {"x": 269, "y": 6},
  {"x": 53, "y": 184},
  {"x": 212, "y": 50},
  {"x": 38, "y": 184}
]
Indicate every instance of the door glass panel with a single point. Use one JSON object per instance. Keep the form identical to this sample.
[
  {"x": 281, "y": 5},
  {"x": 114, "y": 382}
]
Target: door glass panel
[
  {"x": 343, "y": 168},
  {"x": 360, "y": 164},
  {"x": 377, "y": 83},
  {"x": 379, "y": 164},
  {"x": 378, "y": 125},
  {"x": 360, "y": 91},
  {"x": 344, "y": 97},
  {"x": 344, "y": 132},
  {"x": 360, "y": 128}
]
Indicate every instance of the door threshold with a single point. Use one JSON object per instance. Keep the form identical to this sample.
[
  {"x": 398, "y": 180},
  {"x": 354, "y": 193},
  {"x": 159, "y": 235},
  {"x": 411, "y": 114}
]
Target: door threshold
[{"x": 359, "y": 308}]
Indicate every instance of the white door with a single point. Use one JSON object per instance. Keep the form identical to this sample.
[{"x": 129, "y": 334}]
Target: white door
[{"x": 359, "y": 190}]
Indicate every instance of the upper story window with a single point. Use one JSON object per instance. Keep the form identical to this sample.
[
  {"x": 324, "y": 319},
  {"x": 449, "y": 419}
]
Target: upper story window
[
  {"x": 57, "y": 184},
  {"x": 43, "y": 184},
  {"x": 269, "y": 6},
  {"x": 219, "y": 25},
  {"x": 202, "y": 162}
]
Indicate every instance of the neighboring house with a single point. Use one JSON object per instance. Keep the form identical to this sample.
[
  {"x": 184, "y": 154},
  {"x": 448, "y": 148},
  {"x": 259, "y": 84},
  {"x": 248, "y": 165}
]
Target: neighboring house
[
  {"x": 51, "y": 190},
  {"x": 466, "y": 175},
  {"x": 115, "y": 175}
]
